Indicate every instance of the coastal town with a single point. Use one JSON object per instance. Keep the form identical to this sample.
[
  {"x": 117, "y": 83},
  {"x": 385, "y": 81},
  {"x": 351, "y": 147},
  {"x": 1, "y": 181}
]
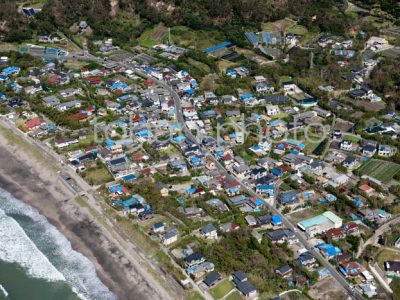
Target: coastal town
[{"x": 238, "y": 180}]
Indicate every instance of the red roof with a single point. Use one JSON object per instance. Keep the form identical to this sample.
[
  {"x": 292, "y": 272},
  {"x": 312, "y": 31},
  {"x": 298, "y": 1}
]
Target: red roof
[
  {"x": 228, "y": 157},
  {"x": 137, "y": 157},
  {"x": 334, "y": 232},
  {"x": 93, "y": 80},
  {"x": 366, "y": 188},
  {"x": 79, "y": 116},
  {"x": 55, "y": 79},
  {"x": 33, "y": 123}
]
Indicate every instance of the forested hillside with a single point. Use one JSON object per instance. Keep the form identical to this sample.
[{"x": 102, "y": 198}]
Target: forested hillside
[{"x": 127, "y": 19}]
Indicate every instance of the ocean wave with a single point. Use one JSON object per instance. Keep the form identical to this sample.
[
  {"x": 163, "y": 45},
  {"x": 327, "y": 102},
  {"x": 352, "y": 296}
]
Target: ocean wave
[
  {"x": 16, "y": 247},
  {"x": 4, "y": 291},
  {"x": 49, "y": 252}
]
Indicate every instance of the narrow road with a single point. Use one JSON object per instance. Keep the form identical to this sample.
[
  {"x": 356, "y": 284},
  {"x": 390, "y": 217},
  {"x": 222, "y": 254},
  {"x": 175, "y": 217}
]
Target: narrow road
[{"x": 378, "y": 232}]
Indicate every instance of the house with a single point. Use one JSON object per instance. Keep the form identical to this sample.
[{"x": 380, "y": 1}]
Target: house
[
  {"x": 70, "y": 92},
  {"x": 385, "y": 150},
  {"x": 239, "y": 278},
  {"x": 33, "y": 124},
  {"x": 281, "y": 236},
  {"x": 369, "y": 191},
  {"x": 158, "y": 227},
  {"x": 346, "y": 145},
  {"x": 247, "y": 290},
  {"x": 392, "y": 269},
  {"x": 212, "y": 278},
  {"x": 351, "y": 268},
  {"x": 307, "y": 260},
  {"x": 350, "y": 162},
  {"x": 272, "y": 110},
  {"x": 209, "y": 232},
  {"x": 284, "y": 271},
  {"x": 328, "y": 250},
  {"x": 288, "y": 198},
  {"x": 69, "y": 105},
  {"x": 194, "y": 259},
  {"x": 170, "y": 236},
  {"x": 369, "y": 150}
]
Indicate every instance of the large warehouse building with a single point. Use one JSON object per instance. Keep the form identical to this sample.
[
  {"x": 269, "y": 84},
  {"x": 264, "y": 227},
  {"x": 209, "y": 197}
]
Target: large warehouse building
[{"x": 320, "y": 224}]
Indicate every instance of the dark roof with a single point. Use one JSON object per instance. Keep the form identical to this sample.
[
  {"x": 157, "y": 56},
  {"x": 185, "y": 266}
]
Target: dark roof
[
  {"x": 276, "y": 99},
  {"x": 212, "y": 278},
  {"x": 245, "y": 287},
  {"x": 240, "y": 276},
  {"x": 194, "y": 256},
  {"x": 117, "y": 161},
  {"x": 284, "y": 269}
]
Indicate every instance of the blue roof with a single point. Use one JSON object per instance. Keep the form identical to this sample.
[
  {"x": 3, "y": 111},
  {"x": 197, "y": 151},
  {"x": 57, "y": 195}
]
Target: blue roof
[
  {"x": 129, "y": 177},
  {"x": 110, "y": 143},
  {"x": 218, "y": 47},
  {"x": 191, "y": 190},
  {"x": 276, "y": 220},
  {"x": 190, "y": 91},
  {"x": 115, "y": 188},
  {"x": 179, "y": 138}
]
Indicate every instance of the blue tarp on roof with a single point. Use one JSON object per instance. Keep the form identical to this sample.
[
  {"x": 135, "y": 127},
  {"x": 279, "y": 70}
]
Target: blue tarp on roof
[
  {"x": 276, "y": 220},
  {"x": 179, "y": 138},
  {"x": 129, "y": 177},
  {"x": 190, "y": 92},
  {"x": 110, "y": 143}
]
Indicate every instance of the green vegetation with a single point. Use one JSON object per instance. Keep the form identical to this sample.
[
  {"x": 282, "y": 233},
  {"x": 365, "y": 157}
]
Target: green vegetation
[
  {"x": 97, "y": 175},
  {"x": 239, "y": 251},
  {"x": 381, "y": 170},
  {"x": 234, "y": 296},
  {"x": 195, "y": 296},
  {"x": 221, "y": 289},
  {"x": 395, "y": 286},
  {"x": 385, "y": 255}
]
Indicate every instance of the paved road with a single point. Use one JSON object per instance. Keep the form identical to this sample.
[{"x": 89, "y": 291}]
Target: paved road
[{"x": 378, "y": 232}]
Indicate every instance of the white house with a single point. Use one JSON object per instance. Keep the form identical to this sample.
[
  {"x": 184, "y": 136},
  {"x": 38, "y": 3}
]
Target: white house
[
  {"x": 272, "y": 110},
  {"x": 346, "y": 145}
]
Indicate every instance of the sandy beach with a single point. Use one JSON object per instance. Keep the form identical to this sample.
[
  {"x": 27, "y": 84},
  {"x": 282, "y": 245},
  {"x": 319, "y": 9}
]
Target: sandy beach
[{"x": 32, "y": 181}]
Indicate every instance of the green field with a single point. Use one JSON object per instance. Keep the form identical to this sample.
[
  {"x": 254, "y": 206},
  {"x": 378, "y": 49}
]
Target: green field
[
  {"x": 195, "y": 296},
  {"x": 380, "y": 170},
  {"x": 98, "y": 175},
  {"x": 234, "y": 296},
  {"x": 186, "y": 37},
  {"x": 221, "y": 289},
  {"x": 385, "y": 255}
]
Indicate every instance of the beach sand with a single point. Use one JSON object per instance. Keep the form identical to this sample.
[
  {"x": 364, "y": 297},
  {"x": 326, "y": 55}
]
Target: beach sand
[{"x": 32, "y": 180}]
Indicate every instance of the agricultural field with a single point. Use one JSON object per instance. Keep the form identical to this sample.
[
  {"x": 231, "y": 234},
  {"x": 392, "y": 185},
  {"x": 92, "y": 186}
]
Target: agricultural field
[
  {"x": 153, "y": 36},
  {"x": 380, "y": 170},
  {"x": 289, "y": 25},
  {"x": 221, "y": 289},
  {"x": 189, "y": 38}
]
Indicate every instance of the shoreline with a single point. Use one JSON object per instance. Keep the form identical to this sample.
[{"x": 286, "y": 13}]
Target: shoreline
[{"x": 35, "y": 182}]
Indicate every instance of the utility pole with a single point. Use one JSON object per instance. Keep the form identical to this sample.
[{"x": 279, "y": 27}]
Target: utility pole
[
  {"x": 169, "y": 36},
  {"x": 311, "y": 60}
]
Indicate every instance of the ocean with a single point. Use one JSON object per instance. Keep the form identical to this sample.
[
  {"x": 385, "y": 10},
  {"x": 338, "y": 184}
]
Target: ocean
[{"x": 37, "y": 261}]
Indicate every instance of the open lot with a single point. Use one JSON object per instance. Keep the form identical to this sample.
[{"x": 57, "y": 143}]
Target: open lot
[
  {"x": 221, "y": 289},
  {"x": 99, "y": 175},
  {"x": 380, "y": 170},
  {"x": 327, "y": 289}
]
